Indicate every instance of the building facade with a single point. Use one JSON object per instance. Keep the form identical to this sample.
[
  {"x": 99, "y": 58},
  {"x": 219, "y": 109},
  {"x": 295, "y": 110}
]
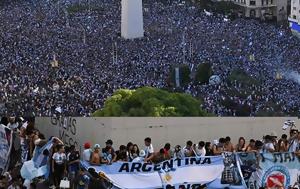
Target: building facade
[
  {"x": 263, "y": 9},
  {"x": 294, "y": 18}
]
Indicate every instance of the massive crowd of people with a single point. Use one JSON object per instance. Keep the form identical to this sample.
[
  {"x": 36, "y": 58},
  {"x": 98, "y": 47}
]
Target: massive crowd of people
[
  {"x": 65, "y": 160},
  {"x": 35, "y": 34}
]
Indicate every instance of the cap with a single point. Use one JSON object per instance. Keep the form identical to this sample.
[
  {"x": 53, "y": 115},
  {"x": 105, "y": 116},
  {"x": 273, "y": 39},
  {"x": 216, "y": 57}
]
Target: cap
[
  {"x": 87, "y": 145},
  {"x": 273, "y": 134},
  {"x": 109, "y": 142},
  {"x": 142, "y": 153},
  {"x": 97, "y": 146}
]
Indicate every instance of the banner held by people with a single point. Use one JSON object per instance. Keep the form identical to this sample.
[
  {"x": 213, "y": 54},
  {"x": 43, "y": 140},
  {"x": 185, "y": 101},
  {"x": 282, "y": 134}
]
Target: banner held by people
[
  {"x": 276, "y": 170},
  {"x": 170, "y": 173}
]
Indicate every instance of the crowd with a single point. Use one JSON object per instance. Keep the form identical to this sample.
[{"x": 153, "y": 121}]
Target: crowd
[
  {"x": 132, "y": 153},
  {"x": 35, "y": 34},
  {"x": 64, "y": 161}
]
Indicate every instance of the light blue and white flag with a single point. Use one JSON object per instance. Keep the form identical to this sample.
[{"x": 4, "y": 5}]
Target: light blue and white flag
[
  {"x": 188, "y": 172},
  {"x": 5, "y": 147},
  {"x": 39, "y": 164}
]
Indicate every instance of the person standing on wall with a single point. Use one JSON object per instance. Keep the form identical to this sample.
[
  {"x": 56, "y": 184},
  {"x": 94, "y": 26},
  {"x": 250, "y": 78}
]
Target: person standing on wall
[
  {"x": 73, "y": 158},
  {"x": 149, "y": 150},
  {"x": 59, "y": 167}
]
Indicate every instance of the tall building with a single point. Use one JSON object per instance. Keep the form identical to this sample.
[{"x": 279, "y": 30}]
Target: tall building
[
  {"x": 132, "y": 19},
  {"x": 294, "y": 18},
  {"x": 264, "y": 9}
]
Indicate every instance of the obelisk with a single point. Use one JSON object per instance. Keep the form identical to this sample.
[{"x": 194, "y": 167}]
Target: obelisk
[{"x": 132, "y": 19}]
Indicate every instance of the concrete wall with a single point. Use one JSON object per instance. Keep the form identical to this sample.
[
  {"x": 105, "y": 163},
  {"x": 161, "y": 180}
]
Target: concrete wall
[{"x": 161, "y": 130}]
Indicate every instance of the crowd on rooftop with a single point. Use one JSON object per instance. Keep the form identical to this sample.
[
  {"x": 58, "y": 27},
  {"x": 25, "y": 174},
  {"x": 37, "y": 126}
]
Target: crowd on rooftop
[{"x": 36, "y": 34}]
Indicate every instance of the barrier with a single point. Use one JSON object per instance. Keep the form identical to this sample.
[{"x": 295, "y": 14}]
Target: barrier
[{"x": 78, "y": 130}]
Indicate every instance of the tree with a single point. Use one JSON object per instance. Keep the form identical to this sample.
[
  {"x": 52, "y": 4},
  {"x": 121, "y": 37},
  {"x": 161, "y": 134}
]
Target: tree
[
  {"x": 204, "y": 71},
  {"x": 148, "y": 101}
]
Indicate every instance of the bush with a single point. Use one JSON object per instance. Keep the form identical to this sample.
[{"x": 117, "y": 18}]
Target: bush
[
  {"x": 184, "y": 75},
  {"x": 148, "y": 101},
  {"x": 204, "y": 72}
]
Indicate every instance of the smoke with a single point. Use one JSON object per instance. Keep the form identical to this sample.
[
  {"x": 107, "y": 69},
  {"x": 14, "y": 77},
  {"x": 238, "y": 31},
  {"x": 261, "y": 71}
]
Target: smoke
[{"x": 292, "y": 75}]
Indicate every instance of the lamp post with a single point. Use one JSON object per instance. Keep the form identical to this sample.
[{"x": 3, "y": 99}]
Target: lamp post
[{"x": 84, "y": 34}]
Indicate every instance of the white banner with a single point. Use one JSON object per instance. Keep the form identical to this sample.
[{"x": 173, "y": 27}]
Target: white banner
[
  {"x": 5, "y": 147},
  {"x": 173, "y": 173}
]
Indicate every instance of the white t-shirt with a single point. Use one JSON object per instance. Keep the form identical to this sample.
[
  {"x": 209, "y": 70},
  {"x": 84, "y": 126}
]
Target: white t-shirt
[
  {"x": 200, "y": 152},
  {"x": 293, "y": 146},
  {"x": 149, "y": 150},
  {"x": 12, "y": 126},
  {"x": 269, "y": 146},
  {"x": 86, "y": 154},
  {"x": 59, "y": 158}
]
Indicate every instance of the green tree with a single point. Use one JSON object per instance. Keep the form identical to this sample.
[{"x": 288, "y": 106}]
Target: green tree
[
  {"x": 204, "y": 71},
  {"x": 148, "y": 101}
]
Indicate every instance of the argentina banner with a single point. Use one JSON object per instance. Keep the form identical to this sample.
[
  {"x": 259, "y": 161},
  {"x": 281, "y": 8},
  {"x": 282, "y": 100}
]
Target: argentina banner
[{"x": 174, "y": 173}]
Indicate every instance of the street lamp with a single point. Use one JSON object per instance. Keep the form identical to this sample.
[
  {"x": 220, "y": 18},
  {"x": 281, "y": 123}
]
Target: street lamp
[{"x": 84, "y": 34}]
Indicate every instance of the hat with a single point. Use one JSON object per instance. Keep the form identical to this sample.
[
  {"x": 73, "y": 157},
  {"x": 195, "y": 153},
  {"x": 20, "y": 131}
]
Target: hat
[
  {"x": 273, "y": 134},
  {"x": 142, "y": 153},
  {"x": 97, "y": 146},
  {"x": 109, "y": 142},
  {"x": 87, "y": 145}
]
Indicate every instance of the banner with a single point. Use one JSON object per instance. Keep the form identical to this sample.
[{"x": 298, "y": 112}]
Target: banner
[
  {"x": 5, "y": 147},
  {"x": 39, "y": 164},
  {"x": 175, "y": 173},
  {"x": 276, "y": 170},
  {"x": 248, "y": 165}
]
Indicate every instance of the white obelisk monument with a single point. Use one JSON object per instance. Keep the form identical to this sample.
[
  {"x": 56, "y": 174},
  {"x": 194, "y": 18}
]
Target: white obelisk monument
[{"x": 132, "y": 19}]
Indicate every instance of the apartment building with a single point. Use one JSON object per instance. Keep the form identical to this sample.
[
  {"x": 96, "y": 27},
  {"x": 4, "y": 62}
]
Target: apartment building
[
  {"x": 263, "y": 9},
  {"x": 294, "y": 18}
]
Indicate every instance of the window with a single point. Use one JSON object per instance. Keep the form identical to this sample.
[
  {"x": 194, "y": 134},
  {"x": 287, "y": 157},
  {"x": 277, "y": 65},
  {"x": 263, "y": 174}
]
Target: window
[
  {"x": 252, "y": 3},
  {"x": 294, "y": 8},
  {"x": 294, "y": 17},
  {"x": 252, "y": 13}
]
